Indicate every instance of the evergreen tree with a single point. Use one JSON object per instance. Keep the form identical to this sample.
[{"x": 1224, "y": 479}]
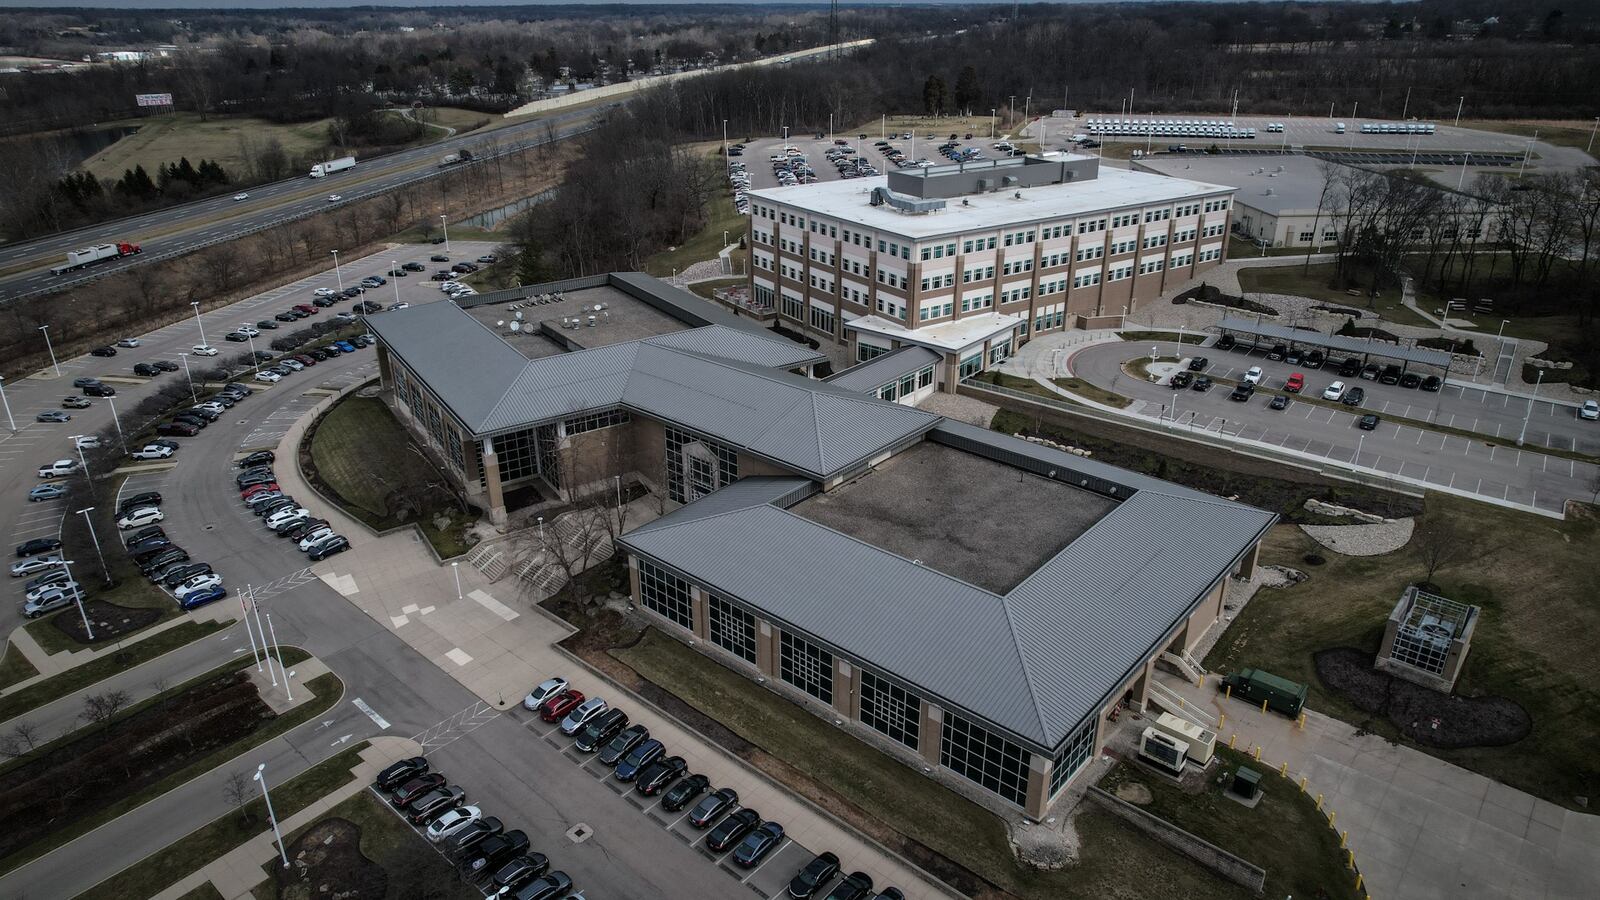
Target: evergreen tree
[
  {"x": 967, "y": 92},
  {"x": 530, "y": 265},
  {"x": 933, "y": 95}
]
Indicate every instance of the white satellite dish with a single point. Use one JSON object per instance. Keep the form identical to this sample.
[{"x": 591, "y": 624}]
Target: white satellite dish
[{"x": 516, "y": 327}]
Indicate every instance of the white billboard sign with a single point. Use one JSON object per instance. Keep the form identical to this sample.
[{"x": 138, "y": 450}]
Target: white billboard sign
[{"x": 153, "y": 99}]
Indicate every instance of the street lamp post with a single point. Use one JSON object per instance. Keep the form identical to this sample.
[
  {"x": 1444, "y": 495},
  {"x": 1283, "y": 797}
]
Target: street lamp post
[
  {"x": 262, "y": 634},
  {"x": 261, "y": 780},
  {"x": 77, "y": 597},
  {"x": 117, "y": 421},
  {"x": 1523, "y": 166},
  {"x": 255, "y": 362},
  {"x": 287, "y": 693},
  {"x": 186, "y": 374},
  {"x": 81, "y": 460},
  {"x": 336, "y": 273},
  {"x": 47, "y": 346},
  {"x": 992, "y": 118},
  {"x": 197, "y": 322},
  {"x": 96, "y": 539},
  {"x": 7, "y": 403},
  {"x": 1463, "y": 179},
  {"x": 444, "y": 225},
  {"x": 1529, "y": 414},
  {"x": 455, "y": 569},
  {"x": 395, "y": 279},
  {"x": 1360, "y": 441},
  {"x": 1460, "y": 103},
  {"x": 1591, "y": 134}
]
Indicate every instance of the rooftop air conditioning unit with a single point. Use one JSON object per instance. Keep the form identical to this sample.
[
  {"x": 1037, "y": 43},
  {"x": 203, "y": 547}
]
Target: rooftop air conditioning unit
[
  {"x": 518, "y": 315},
  {"x": 499, "y": 323},
  {"x": 985, "y": 184},
  {"x": 1017, "y": 195},
  {"x": 591, "y": 321},
  {"x": 1267, "y": 192}
]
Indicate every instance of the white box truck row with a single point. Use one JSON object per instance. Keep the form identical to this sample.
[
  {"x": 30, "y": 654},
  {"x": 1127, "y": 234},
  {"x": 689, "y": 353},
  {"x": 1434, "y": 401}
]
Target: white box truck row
[{"x": 333, "y": 165}]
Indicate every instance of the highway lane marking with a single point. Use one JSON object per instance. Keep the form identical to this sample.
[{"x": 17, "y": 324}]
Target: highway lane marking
[{"x": 372, "y": 714}]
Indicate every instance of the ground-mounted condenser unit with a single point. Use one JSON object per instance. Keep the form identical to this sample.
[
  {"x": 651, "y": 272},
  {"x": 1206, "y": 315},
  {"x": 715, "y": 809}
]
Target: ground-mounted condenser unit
[
  {"x": 1202, "y": 743},
  {"x": 1163, "y": 751}
]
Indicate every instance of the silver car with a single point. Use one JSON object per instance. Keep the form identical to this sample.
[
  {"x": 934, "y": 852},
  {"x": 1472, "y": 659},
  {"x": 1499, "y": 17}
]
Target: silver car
[
  {"x": 581, "y": 715},
  {"x": 36, "y": 564}
]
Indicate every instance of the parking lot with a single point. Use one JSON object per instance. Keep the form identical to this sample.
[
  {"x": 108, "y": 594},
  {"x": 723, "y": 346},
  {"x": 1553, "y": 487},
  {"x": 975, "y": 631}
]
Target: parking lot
[{"x": 1303, "y": 132}]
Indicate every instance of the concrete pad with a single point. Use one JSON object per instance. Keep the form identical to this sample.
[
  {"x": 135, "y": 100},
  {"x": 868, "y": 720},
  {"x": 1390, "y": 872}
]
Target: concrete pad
[
  {"x": 1448, "y": 825},
  {"x": 457, "y": 656},
  {"x": 1489, "y": 844},
  {"x": 1402, "y": 807},
  {"x": 1505, "y": 820},
  {"x": 1547, "y": 813},
  {"x": 1509, "y": 798}
]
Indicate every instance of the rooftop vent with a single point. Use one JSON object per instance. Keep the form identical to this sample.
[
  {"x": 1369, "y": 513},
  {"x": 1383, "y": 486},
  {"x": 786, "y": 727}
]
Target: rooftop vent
[
  {"x": 882, "y": 196},
  {"x": 1017, "y": 195}
]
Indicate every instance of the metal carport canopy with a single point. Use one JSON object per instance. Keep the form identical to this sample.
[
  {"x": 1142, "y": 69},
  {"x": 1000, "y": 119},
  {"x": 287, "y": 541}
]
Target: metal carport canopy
[{"x": 1337, "y": 342}]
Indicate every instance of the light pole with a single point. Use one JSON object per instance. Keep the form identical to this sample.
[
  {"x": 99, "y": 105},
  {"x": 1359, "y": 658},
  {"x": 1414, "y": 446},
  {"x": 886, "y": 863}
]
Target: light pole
[
  {"x": 1591, "y": 134},
  {"x": 117, "y": 421},
  {"x": 201, "y": 325},
  {"x": 336, "y": 273},
  {"x": 444, "y": 225},
  {"x": 254, "y": 361},
  {"x": 992, "y": 118},
  {"x": 1529, "y": 414},
  {"x": 395, "y": 279},
  {"x": 96, "y": 538},
  {"x": 77, "y": 597},
  {"x": 261, "y": 780},
  {"x": 185, "y": 358},
  {"x": 81, "y": 460},
  {"x": 1459, "y": 104},
  {"x": 1360, "y": 441},
  {"x": 1523, "y": 166},
  {"x": 1464, "y": 160},
  {"x": 7, "y": 403},
  {"x": 47, "y": 346},
  {"x": 727, "y": 164},
  {"x": 455, "y": 569},
  {"x": 262, "y": 634},
  {"x": 287, "y": 694}
]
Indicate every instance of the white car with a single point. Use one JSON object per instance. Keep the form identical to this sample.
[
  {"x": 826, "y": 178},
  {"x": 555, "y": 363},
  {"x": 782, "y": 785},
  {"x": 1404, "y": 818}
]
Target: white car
[
  {"x": 287, "y": 513},
  {"x": 324, "y": 292},
  {"x": 317, "y": 536},
  {"x": 39, "y": 564},
  {"x": 240, "y": 196},
  {"x": 58, "y": 468},
  {"x": 87, "y": 442},
  {"x": 212, "y": 406},
  {"x": 268, "y": 377},
  {"x": 1334, "y": 391},
  {"x": 452, "y": 822},
  {"x": 294, "y": 364},
  {"x": 197, "y": 583},
  {"x": 334, "y": 198},
  {"x": 128, "y": 342},
  {"x": 249, "y": 331},
  {"x": 54, "y": 587},
  {"x": 1589, "y": 410},
  {"x": 204, "y": 350},
  {"x": 1253, "y": 376},
  {"x": 138, "y": 518},
  {"x": 546, "y": 689},
  {"x": 152, "y": 451}
]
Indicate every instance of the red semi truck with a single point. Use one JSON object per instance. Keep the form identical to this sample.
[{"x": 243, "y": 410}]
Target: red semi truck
[{"x": 77, "y": 259}]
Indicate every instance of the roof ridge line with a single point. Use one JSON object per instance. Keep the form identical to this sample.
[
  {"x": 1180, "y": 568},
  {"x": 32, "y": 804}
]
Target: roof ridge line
[{"x": 1022, "y": 663}]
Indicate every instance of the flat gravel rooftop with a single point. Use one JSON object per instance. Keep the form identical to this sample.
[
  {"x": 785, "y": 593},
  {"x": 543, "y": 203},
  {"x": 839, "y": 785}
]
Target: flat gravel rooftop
[{"x": 969, "y": 517}]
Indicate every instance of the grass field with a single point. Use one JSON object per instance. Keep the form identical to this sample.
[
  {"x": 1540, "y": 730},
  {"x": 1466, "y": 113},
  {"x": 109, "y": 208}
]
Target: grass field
[
  {"x": 1562, "y": 134},
  {"x": 940, "y": 127},
  {"x": 79, "y": 677},
  {"x": 133, "y": 591},
  {"x": 1312, "y": 281},
  {"x": 163, "y": 139},
  {"x": 1076, "y": 385},
  {"x": 1284, "y": 834},
  {"x": 155, "y": 872},
  {"x": 363, "y": 454},
  {"x": 705, "y": 288},
  {"x": 900, "y": 797},
  {"x": 462, "y": 120},
  {"x": 725, "y": 222},
  {"x": 1540, "y": 592},
  {"x": 14, "y": 667}
]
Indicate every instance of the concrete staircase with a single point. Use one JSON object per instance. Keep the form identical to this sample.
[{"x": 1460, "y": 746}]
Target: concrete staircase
[
  {"x": 491, "y": 560},
  {"x": 1183, "y": 665}
]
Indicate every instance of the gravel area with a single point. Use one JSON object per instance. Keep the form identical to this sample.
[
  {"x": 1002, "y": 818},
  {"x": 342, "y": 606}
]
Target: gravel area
[
  {"x": 961, "y": 408},
  {"x": 1362, "y": 540}
]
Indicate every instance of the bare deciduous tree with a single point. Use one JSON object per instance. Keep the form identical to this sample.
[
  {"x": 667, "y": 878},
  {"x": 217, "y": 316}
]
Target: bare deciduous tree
[
  {"x": 1439, "y": 544},
  {"x": 24, "y": 737},
  {"x": 103, "y": 706},
  {"x": 238, "y": 791}
]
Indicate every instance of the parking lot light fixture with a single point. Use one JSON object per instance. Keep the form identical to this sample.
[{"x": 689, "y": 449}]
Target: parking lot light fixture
[
  {"x": 77, "y": 597},
  {"x": 117, "y": 421},
  {"x": 444, "y": 225},
  {"x": 338, "y": 276},
  {"x": 395, "y": 279},
  {"x": 7, "y": 403},
  {"x": 273, "y": 632},
  {"x": 455, "y": 569},
  {"x": 1596, "y": 127},
  {"x": 104, "y": 570},
  {"x": 186, "y": 374},
  {"x": 47, "y": 346},
  {"x": 81, "y": 460},
  {"x": 261, "y": 780},
  {"x": 202, "y": 325},
  {"x": 254, "y": 362}
]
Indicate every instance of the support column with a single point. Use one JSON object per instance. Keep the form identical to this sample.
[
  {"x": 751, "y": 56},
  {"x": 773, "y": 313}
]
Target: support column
[
  {"x": 1247, "y": 565},
  {"x": 930, "y": 733},
  {"x": 700, "y": 610},
  {"x": 1038, "y": 787},
  {"x": 633, "y": 579},
  {"x": 491, "y": 473},
  {"x": 846, "y": 696},
  {"x": 766, "y": 648},
  {"x": 1141, "y": 687}
]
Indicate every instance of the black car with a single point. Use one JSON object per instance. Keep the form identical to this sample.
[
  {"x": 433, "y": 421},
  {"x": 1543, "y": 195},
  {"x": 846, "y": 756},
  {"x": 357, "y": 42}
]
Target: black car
[
  {"x": 1198, "y": 364},
  {"x": 271, "y": 506},
  {"x": 622, "y": 744},
  {"x": 1225, "y": 342},
  {"x": 414, "y": 267},
  {"x": 237, "y": 337},
  {"x": 601, "y": 730},
  {"x": 1278, "y": 351},
  {"x": 520, "y": 871},
  {"x": 103, "y": 351},
  {"x": 145, "y": 369},
  {"x": 639, "y": 757},
  {"x": 1280, "y": 401},
  {"x": 250, "y": 479},
  {"x": 335, "y": 544},
  {"x": 285, "y": 317},
  {"x": 149, "y": 547},
  {"x": 1368, "y": 422},
  {"x": 207, "y": 414},
  {"x": 474, "y": 833},
  {"x": 1353, "y": 397},
  {"x": 171, "y": 578},
  {"x": 143, "y": 534},
  {"x": 1411, "y": 380},
  {"x": 816, "y": 873},
  {"x": 191, "y": 417},
  {"x": 38, "y": 546},
  {"x": 857, "y": 886},
  {"x": 283, "y": 528},
  {"x": 1181, "y": 380},
  {"x": 267, "y": 325},
  {"x": 715, "y": 804},
  {"x": 305, "y": 528},
  {"x": 1390, "y": 375},
  {"x": 353, "y": 291},
  {"x": 158, "y": 564},
  {"x": 1350, "y": 367},
  {"x": 1315, "y": 359},
  {"x": 400, "y": 772},
  {"x": 679, "y": 795},
  {"x": 438, "y": 257},
  {"x": 318, "y": 355},
  {"x": 1242, "y": 392},
  {"x": 99, "y": 390},
  {"x": 1432, "y": 383},
  {"x": 434, "y": 804},
  {"x": 323, "y": 302},
  {"x": 732, "y": 829},
  {"x": 84, "y": 381},
  {"x": 413, "y": 788},
  {"x": 494, "y": 853},
  {"x": 181, "y": 429},
  {"x": 1202, "y": 383},
  {"x": 758, "y": 844},
  {"x": 554, "y": 885},
  {"x": 661, "y": 773}
]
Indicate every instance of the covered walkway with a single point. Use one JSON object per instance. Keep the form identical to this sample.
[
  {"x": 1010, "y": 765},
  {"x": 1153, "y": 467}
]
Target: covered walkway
[{"x": 1260, "y": 332}]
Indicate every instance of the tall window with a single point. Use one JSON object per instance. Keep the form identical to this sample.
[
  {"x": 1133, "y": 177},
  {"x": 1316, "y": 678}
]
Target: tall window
[
  {"x": 665, "y": 594},
  {"x": 985, "y": 758},
  {"x": 806, "y": 666},
  {"x": 1073, "y": 754},
  {"x": 690, "y": 473},
  {"x": 890, "y": 709},
  {"x": 732, "y": 629}
]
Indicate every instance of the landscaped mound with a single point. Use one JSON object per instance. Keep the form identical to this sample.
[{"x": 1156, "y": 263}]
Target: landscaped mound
[
  {"x": 1424, "y": 715},
  {"x": 109, "y": 621},
  {"x": 327, "y": 861}
]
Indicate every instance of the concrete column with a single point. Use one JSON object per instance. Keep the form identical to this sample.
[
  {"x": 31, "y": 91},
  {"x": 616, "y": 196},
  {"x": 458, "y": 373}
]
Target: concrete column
[
  {"x": 930, "y": 732},
  {"x": 700, "y": 610},
  {"x": 846, "y": 692},
  {"x": 633, "y": 578},
  {"x": 767, "y": 648},
  {"x": 1038, "y": 787},
  {"x": 491, "y": 472},
  {"x": 1141, "y": 687},
  {"x": 1247, "y": 565}
]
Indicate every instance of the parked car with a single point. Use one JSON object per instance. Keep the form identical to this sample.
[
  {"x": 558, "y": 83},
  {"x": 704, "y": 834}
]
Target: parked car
[
  {"x": 181, "y": 429},
  {"x": 639, "y": 757},
  {"x": 1202, "y": 383},
  {"x": 128, "y": 342},
  {"x": 554, "y": 885},
  {"x": 1333, "y": 391},
  {"x": 472, "y": 835},
  {"x": 173, "y": 577},
  {"x": 732, "y": 829},
  {"x": 1411, "y": 380},
  {"x": 204, "y": 350},
  {"x": 46, "y": 492},
  {"x": 814, "y": 875},
  {"x": 76, "y": 402},
  {"x": 688, "y": 788},
  {"x": 582, "y": 714},
  {"x": 36, "y": 564},
  {"x": 757, "y": 844},
  {"x": 143, "y": 533},
  {"x": 49, "y": 588},
  {"x": 453, "y": 821},
  {"x": 1432, "y": 383},
  {"x": 1369, "y": 372},
  {"x": 103, "y": 351},
  {"x": 53, "y": 415},
  {"x": 152, "y": 451},
  {"x": 99, "y": 390},
  {"x": 623, "y": 744},
  {"x": 519, "y": 872},
  {"x": 1350, "y": 368},
  {"x": 1252, "y": 376},
  {"x": 1198, "y": 364},
  {"x": 1279, "y": 401},
  {"x": 493, "y": 853},
  {"x": 601, "y": 730},
  {"x": 1389, "y": 375},
  {"x": 414, "y": 788},
  {"x": 553, "y": 709},
  {"x": 1314, "y": 359},
  {"x": 146, "y": 550},
  {"x": 138, "y": 518},
  {"x": 58, "y": 469},
  {"x": 656, "y": 776},
  {"x": 1277, "y": 352},
  {"x": 434, "y": 803},
  {"x": 1242, "y": 392},
  {"x": 201, "y": 581},
  {"x": 1181, "y": 380},
  {"x": 1294, "y": 383},
  {"x": 1368, "y": 422},
  {"x": 49, "y": 602},
  {"x": 328, "y": 547},
  {"x": 1354, "y": 396},
  {"x": 156, "y": 566},
  {"x": 855, "y": 886},
  {"x": 1590, "y": 410},
  {"x": 267, "y": 325}
]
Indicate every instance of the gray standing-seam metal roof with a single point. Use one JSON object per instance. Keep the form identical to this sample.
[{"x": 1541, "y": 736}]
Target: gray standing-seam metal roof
[
  {"x": 883, "y": 369},
  {"x": 744, "y": 398},
  {"x": 1336, "y": 341},
  {"x": 1034, "y": 662}
]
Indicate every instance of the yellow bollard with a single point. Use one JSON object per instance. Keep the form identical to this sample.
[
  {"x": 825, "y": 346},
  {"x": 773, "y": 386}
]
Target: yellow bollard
[
  {"x": 1319, "y": 801},
  {"x": 1258, "y": 753},
  {"x": 1283, "y": 771},
  {"x": 1332, "y": 815},
  {"x": 1301, "y": 722},
  {"x": 1222, "y": 720},
  {"x": 1202, "y": 680},
  {"x": 1231, "y": 739},
  {"x": 1263, "y": 706},
  {"x": 1302, "y": 784},
  {"x": 1352, "y": 860},
  {"x": 1344, "y": 836},
  {"x": 1227, "y": 691}
]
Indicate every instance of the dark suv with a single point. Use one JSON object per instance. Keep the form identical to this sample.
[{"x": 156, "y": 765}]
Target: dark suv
[{"x": 601, "y": 730}]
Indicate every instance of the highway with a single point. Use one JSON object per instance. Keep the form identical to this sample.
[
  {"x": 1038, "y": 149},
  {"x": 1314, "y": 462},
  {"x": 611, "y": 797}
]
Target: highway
[{"x": 187, "y": 227}]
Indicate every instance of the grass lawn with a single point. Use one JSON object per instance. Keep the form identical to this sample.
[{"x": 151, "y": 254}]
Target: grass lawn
[
  {"x": 1239, "y": 248},
  {"x": 133, "y": 591},
  {"x": 1302, "y": 281},
  {"x": 164, "y": 139},
  {"x": 938, "y": 126},
  {"x": 1188, "y": 337},
  {"x": 722, "y": 219},
  {"x": 705, "y": 288},
  {"x": 1285, "y": 834},
  {"x": 1076, "y": 385},
  {"x": 462, "y": 120},
  {"x": 363, "y": 453},
  {"x": 204, "y": 892},
  {"x": 79, "y": 677},
  {"x": 1540, "y": 591},
  {"x": 893, "y": 793},
  {"x": 14, "y": 667},
  {"x": 1562, "y": 135},
  {"x": 325, "y": 689},
  {"x": 155, "y": 872}
]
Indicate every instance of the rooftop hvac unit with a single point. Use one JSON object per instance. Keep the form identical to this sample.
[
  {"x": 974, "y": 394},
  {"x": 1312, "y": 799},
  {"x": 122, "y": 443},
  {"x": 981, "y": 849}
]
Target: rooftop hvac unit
[
  {"x": 1267, "y": 192},
  {"x": 1163, "y": 752},
  {"x": 1009, "y": 180},
  {"x": 591, "y": 321},
  {"x": 1202, "y": 743},
  {"x": 499, "y": 323},
  {"x": 1017, "y": 195},
  {"x": 518, "y": 315},
  {"x": 985, "y": 184}
]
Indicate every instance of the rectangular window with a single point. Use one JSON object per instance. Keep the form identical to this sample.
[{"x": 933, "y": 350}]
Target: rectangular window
[
  {"x": 732, "y": 629},
  {"x": 806, "y": 666},
  {"x": 866, "y": 351},
  {"x": 697, "y": 466},
  {"x": 595, "y": 421},
  {"x": 1078, "y": 750},
  {"x": 987, "y": 759},
  {"x": 822, "y": 319},
  {"x": 665, "y": 594},
  {"x": 890, "y": 709}
]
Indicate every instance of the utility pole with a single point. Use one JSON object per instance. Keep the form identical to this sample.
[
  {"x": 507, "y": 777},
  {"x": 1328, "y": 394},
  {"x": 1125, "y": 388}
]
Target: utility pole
[
  {"x": 96, "y": 538},
  {"x": 1463, "y": 102},
  {"x": 51, "y": 349},
  {"x": 261, "y": 780}
]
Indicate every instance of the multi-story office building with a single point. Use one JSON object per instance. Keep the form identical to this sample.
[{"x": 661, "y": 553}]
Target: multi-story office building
[{"x": 970, "y": 260}]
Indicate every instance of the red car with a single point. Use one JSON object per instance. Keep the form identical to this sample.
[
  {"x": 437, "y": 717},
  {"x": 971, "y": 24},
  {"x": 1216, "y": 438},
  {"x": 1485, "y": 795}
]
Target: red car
[
  {"x": 554, "y": 709},
  {"x": 1295, "y": 383},
  {"x": 415, "y": 788},
  {"x": 307, "y": 308},
  {"x": 305, "y": 359},
  {"x": 252, "y": 489}
]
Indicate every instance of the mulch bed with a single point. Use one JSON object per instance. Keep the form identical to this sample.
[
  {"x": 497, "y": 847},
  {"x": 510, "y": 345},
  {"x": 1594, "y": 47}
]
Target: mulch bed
[
  {"x": 327, "y": 861},
  {"x": 1210, "y": 293},
  {"x": 1423, "y": 715},
  {"x": 109, "y": 621}
]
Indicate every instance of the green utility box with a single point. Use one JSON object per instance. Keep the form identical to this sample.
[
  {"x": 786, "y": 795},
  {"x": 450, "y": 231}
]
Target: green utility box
[
  {"x": 1246, "y": 784},
  {"x": 1255, "y": 686}
]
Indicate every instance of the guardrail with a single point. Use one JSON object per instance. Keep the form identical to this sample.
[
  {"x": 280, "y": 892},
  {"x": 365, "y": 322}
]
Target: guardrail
[{"x": 420, "y": 176}]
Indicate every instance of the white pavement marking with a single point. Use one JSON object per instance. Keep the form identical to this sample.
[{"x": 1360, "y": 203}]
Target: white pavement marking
[
  {"x": 344, "y": 584},
  {"x": 372, "y": 714},
  {"x": 283, "y": 585},
  {"x": 399, "y": 621},
  {"x": 455, "y": 727},
  {"x": 458, "y": 656},
  {"x": 494, "y": 606}
]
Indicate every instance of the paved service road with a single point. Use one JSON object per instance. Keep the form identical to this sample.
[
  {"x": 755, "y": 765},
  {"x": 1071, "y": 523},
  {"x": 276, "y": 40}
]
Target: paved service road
[
  {"x": 1486, "y": 467},
  {"x": 206, "y": 221}
]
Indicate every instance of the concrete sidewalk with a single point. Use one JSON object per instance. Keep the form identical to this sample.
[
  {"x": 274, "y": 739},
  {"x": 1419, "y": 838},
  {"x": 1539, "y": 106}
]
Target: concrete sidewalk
[
  {"x": 1420, "y": 827},
  {"x": 49, "y": 664},
  {"x": 236, "y": 872}
]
